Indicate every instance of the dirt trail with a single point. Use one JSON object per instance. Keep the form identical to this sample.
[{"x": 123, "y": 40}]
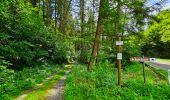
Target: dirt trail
[
  {"x": 57, "y": 93},
  {"x": 23, "y": 96}
]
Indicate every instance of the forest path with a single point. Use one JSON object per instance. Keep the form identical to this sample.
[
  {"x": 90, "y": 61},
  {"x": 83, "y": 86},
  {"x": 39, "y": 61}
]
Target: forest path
[
  {"x": 57, "y": 93},
  {"x": 51, "y": 89}
]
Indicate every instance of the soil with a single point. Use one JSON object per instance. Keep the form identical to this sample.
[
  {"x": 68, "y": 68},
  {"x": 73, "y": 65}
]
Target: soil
[{"x": 57, "y": 93}]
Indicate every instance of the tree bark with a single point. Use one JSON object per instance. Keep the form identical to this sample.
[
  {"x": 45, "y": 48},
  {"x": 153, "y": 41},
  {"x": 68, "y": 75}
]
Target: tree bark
[
  {"x": 48, "y": 13},
  {"x": 55, "y": 14},
  {"x": 99, "y": 30},
  {"x": 43, "y": 10},
  {"x": 83, "y": 55}
]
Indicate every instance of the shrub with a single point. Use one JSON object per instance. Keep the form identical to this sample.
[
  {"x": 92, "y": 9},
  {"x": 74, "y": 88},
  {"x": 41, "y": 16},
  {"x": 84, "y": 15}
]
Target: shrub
[{"x": 24, "y": 38}]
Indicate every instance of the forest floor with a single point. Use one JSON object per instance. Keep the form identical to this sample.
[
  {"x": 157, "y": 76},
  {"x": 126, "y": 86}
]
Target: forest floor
[{"x": 51, "y": 89}]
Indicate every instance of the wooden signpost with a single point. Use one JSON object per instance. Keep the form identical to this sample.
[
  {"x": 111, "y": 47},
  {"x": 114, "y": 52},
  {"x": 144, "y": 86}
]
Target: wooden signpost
[
  {"x": 139, "y": 59},
  {"x": 119, "y": 43},
  {"x": 143, "y": 60}
]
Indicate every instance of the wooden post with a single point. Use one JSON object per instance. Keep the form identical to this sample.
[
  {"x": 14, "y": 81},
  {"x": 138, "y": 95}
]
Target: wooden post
[
  {"x": 169, "y": 76},
  {"x": 119, "y": 60},
  {"x": 144, "y": 75}
]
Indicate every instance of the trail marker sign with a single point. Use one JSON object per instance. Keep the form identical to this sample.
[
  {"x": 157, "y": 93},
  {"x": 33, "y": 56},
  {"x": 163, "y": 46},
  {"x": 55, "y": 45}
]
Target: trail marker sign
[
  {"x": 119, "y": 56},
  {"x": 139, "y": 59},
  {"x": 142, "y": 59},
  {"x": 119, "y": 42}
]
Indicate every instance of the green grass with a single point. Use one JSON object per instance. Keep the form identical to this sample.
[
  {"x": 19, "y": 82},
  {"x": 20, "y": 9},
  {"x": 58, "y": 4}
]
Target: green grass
[
  {"x": 166, "y": 60},
  {"x": 40, "y": 93},
  {"x": 101, "y": 84},
  {"x": 16, "y": 83}
]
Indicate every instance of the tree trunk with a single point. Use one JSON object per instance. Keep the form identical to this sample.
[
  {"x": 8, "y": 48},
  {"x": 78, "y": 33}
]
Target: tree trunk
[
  {"x": 48, "y": 13},
  {"x": 66, "y": 12},
  {"x": 55, "y": 15},
  {"x": 97, "y": 35},
  {"x": 43, "y": 10},
  {"x": 83, "y": 55}
]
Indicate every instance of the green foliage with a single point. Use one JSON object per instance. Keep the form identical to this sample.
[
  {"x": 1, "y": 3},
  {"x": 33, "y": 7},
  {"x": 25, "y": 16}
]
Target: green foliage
[
  {"x": 4, "y": 72},
  {"x": 157, "y": 36},
  {"x": 131, "y": 48},
  {"x": 24, "y": 39},
  {"x": 16, "y": 82},
  {"x": 101, "y": 84},
  {"x": 89, "y": 84}
]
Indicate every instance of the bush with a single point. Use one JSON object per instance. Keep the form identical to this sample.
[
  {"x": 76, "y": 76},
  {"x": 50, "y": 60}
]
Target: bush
[{"x": 24, "y": 38}]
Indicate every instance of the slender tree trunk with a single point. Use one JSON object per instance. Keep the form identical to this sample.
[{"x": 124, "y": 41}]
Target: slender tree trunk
[
  {"x": 83, "y": 55},
  {"x": 43, "y": 10},
  {"x": 66, "y": 13},
  {"x": 98, "y": 33},
  {"x": 82, "y": 15},
  {"x": 55, "y": 14},
  {"x": 93, "y": 21},
  {"x": 60, "y": 14},
  {"x": 48, "y": 16}
]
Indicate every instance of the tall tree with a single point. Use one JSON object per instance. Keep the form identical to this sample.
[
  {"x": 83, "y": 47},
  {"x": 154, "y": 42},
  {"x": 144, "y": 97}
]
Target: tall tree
[
  {"x": 63, "y": 8},
  {"x": 55, "y": 14},
  {"x": 83, "y": 55},
  {"x": 99, "y": 30},
  {"x": 48, "y": 13},
  {"x": 43, "y": 10}
]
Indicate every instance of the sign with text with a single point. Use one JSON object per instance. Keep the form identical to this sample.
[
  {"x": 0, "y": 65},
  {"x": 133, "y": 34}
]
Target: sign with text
[
  {"x": 119, "y": 42},
  {"x": 139, "y": 59},
  {"x": 119, "y": 56}
]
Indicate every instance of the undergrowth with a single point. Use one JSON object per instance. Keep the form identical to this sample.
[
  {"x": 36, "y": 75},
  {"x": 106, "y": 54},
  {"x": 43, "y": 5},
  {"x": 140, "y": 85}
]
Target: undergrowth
[
  {"x": 16, "y": 83},
  {"x": 101, "y": 84},
  {"x": 43, "y": 91}
]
